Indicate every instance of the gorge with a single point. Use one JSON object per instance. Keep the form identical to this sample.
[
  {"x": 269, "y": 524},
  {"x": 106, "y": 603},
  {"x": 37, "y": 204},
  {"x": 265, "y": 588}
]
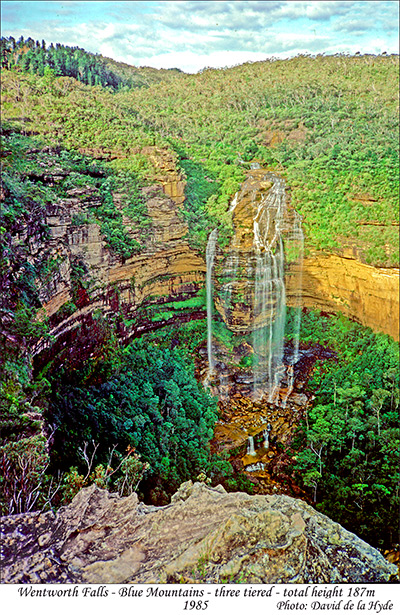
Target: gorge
[{"x": 184, "y": 301}]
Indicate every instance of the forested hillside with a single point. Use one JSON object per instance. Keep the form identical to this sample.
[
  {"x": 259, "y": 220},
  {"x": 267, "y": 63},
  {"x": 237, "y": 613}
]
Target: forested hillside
[
  {"x": 84, "y": 135},
  {"x": 328, "y": 124},
  {"x": 63, "y": 61}
]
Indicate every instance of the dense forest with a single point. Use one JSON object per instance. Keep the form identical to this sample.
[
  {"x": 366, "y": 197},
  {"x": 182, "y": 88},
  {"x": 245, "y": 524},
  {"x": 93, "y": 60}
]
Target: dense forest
[
  {"x": 62, "y": 61},
  {"x": 133, "y": 416},
  {"x": 346, "y": 450}
]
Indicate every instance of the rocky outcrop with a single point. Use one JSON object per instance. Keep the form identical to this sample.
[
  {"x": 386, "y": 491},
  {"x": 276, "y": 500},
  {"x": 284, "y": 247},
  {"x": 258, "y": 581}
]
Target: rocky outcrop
[
  {"x": 166, "y": 173},
  {"x": 204, "y": 535}
]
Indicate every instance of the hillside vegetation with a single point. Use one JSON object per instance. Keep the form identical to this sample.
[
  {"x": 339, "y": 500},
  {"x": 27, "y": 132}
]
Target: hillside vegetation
[
  {"x": 63, "y": 61},
  {"x": 326, "y": 124},
  {"x": 79, "y": 124},
  {"x": 346, "y": 453}
]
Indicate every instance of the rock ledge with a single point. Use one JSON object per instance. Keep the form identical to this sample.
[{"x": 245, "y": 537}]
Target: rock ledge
[{"x": 205, "y": 535}]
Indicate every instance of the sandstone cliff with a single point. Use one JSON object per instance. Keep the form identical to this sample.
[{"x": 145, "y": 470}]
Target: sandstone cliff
[
  {"x": 204, "y": 535},
  {"x": 331, "y": 282},
  {"x": 127, "y": 292},
  {"x": 167, "y": 269},
  {"x": 368, "y": 294}
]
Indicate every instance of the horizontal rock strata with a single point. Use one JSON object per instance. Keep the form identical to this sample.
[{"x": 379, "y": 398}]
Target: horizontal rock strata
[
  {"x": 330, "y": 282},
  {"x": 167, "y": 269},
  {"x": 369, "y": 294}
]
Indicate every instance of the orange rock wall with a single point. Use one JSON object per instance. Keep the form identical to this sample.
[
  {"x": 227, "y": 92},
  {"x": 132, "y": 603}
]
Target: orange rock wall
[
  {"x": 166, "y": 270},
  {"x": 368, "y": 294},
  {"x": 331, "y": 282}
]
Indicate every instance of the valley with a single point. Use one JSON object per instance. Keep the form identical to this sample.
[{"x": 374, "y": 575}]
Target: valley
[{"x": 199, "y": 282}]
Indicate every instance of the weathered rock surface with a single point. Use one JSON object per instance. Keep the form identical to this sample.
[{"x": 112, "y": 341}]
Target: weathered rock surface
[{"x": 204, "y": 535}]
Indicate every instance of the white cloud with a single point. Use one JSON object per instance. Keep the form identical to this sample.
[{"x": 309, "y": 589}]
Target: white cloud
[
  {"x": 191, "y": 34},
  {"x": 192, "y": 62}
]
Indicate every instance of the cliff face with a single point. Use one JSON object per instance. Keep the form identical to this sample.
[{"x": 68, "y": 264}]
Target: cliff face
[
  {"x": 166, "y": 269},
  {"x": 341, "y": 283},
  {"x": 204, "y": 535},
  {"x": 330, "y": 282}
]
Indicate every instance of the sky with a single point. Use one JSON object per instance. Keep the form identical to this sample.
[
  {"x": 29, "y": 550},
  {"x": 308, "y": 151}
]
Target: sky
[{"x": 194, "y": 34}]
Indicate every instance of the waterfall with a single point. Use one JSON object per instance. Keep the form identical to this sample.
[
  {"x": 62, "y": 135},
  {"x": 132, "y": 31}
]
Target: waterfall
[
  {"x": 269, "y": 291},
  {"x": 229, "y": 273},
  {"x": 234, "y": 203},
  {"x": 251, "y": 292},
  {"x": 250, "y": 446},
  {"x": 210, "y": 255},
  {"x": 297, "y": 241},
  {"x": 299, "y": 238},
  {"x": 266, "y": 433}
]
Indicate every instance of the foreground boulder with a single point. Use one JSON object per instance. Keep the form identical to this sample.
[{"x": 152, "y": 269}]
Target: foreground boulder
[{"x": 204, "y": 535}]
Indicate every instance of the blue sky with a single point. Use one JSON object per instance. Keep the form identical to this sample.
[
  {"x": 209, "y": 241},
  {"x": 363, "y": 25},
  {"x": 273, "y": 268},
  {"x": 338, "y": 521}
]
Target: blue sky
[{"x": 193, "y": 34}]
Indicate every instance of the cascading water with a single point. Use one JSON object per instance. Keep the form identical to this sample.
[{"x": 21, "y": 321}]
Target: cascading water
[
  {"x": 234, "y": 203},
  {"x": 250, "y": 446},
  {"x": 266, "y": 433},
  {"x": 210, "y": 256},
  {"x": 271, "y": 225},
  {"x": 250, "y": 284},
  {"x": 297, "y": 241}
]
